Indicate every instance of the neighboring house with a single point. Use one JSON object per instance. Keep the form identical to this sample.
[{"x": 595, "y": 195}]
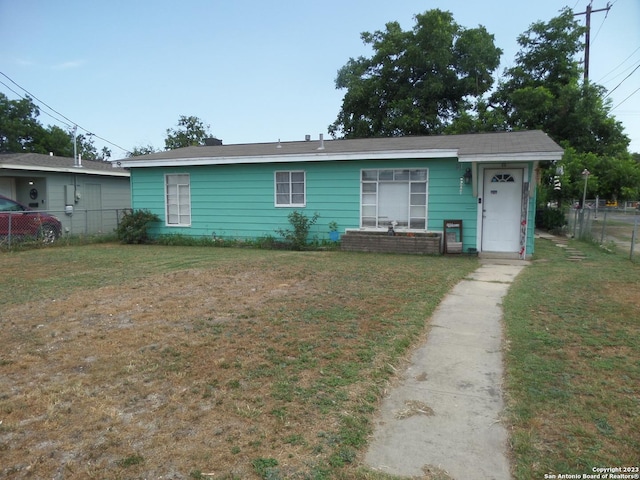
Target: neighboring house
[
  {"x": 85, "y": 195},
  {"x": 247, "y": 191}
]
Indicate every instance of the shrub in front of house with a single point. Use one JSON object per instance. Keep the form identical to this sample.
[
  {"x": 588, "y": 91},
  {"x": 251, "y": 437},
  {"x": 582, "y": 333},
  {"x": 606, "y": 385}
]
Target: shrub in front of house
[
  {"x": 133, "y": 227},
  {"x": 297, "y": 237}
]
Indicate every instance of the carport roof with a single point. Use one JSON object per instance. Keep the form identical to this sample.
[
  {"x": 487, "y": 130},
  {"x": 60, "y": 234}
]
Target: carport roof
[{"x": 478, "y": 147}]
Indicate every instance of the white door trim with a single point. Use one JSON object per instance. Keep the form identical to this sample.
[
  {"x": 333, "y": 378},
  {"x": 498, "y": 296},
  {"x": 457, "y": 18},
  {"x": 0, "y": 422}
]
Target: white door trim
[{"x": 479, "y": 180}]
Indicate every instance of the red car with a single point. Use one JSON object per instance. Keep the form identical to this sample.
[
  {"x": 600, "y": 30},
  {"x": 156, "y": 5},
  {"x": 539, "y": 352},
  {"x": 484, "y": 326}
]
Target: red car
[{"x": 19, "y": 221}]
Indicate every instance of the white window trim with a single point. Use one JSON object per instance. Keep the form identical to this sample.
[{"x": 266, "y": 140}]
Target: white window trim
[
  {"x": 166, "y": 203},
  {"x": 385, "y": 227},
  {"x": 275, "y": 190}
]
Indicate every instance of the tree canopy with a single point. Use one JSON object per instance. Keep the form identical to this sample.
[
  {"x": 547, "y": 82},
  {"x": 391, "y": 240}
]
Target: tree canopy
[
  {"x": 141, "y": 150},
  {"x": 21, "y": 132},
  {"x": 437, "y": 78},
  {"x": 417, "y": 81},
  {"x": 19, "y": 127},
  {"x": 543, "y": 90},
  {"x": 191, "y": 131}
]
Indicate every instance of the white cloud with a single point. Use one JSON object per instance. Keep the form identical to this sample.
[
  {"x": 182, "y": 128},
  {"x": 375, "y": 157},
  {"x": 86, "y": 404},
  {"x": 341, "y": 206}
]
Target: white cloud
[
  {"x": 25, "y": 63},
  {"x": 68, "y": 65}
]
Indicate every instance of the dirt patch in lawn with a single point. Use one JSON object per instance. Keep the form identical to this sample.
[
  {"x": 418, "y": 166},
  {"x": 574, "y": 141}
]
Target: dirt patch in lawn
[
  {"x": 198, "y": 373},
  {"x": 122, "y": 377}
]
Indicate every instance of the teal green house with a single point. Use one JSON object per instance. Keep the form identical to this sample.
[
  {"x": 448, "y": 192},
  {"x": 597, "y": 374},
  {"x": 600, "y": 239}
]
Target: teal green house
[{"x": 415, "y": 184}]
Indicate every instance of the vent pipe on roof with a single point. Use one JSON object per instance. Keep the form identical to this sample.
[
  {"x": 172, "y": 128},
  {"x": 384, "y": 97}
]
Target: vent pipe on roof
[
  {"x": 307, "y": 138},
  {"x": 51, "y": 154},
  {"x": 321, "y": 147}
]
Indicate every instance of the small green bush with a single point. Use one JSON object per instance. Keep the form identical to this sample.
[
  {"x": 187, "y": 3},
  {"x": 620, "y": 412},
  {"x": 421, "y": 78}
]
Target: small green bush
[
  {"x": 133, "y": 226},
  {"x": 550, "y": 219},
  {"x": 301, "y": 224}
]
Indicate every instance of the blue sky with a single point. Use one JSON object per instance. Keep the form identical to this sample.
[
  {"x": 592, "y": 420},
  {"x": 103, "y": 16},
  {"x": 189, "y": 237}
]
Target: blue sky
[{"x": 254, "y": 70}]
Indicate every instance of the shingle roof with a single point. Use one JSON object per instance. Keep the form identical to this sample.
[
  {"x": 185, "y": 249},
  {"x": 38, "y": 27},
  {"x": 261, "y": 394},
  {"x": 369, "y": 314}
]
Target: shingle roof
[
  {"x": 478, "y": 144},
  {"x": 38, "y": 161}
]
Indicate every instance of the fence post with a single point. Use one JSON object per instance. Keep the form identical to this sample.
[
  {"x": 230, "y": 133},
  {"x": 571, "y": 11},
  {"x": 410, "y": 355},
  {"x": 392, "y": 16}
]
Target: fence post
[
  {"x": 604, "y": 222},
  {"x": 633, "y": 238},
  {"x": 586, "y": 233},
  {"x": 9, "y": 240}
]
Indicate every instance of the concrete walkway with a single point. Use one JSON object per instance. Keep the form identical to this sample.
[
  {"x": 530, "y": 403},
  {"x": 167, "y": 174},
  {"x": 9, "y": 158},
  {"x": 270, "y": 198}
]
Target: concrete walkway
[{"x": 445, "y": 414}]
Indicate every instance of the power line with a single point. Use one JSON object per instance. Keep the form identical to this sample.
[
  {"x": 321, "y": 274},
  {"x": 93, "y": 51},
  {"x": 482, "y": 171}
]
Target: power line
[
  {"x": 54, "y": 110},
  {"x": 632, "y": 94},
  {"x": 619, "y": 65},
  {"x": 24, "y": 98},
  {"x": 593, "y": 40},
  {"x": 614, "y": 88}
]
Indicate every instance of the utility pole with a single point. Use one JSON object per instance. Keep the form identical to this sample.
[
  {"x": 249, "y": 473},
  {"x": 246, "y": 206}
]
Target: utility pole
[
  {"x": 588, "y": 13},
  {"x": 75, "y": 143}
]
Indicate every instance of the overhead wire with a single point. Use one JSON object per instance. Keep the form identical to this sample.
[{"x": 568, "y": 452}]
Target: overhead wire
[
  {"x": 618, "y": 66},
  {"x": 592, "y": 41},
  {"x": 609, "y": 5},
  {"x": 623, "y": 80},
  {"x": 46, "y": 113},
  {"x": 632, "y": 94},
  {"x": 74, "y": 124}
]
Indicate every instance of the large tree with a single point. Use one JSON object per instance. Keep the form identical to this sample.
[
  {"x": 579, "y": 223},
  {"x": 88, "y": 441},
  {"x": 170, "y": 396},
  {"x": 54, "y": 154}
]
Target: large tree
[
  {"x": 416, "y": 82},
  {"x": 543, "y": 90},
  {"x": 21, "y": 132},
  {"x": 191, "y": 131}
]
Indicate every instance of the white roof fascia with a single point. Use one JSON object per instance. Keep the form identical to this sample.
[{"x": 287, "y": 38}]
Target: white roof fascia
[
  {"x": 34, "y": 168},
  {"x": 313, "y": 157},
  {"x": 510, "y": 157}
]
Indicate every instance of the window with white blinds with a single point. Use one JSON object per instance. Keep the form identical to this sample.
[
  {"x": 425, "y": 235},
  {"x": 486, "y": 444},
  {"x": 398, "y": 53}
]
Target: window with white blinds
[
  {"x": 178, "y": 200},
  {"x": 397, "y": 197},
  {"x": 290, "y": 189}
]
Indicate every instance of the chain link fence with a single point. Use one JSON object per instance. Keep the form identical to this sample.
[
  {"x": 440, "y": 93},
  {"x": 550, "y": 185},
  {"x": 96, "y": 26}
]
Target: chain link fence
[
  {"x": 613, "y": 228},
  {"x": 50, "y": 226}
]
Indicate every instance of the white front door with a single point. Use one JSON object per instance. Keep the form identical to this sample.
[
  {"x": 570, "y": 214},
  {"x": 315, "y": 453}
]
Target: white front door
[{"x": 501, "y": 209}]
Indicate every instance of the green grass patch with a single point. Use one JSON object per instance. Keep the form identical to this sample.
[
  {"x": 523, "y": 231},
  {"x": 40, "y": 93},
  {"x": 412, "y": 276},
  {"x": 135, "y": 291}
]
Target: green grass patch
[{"x": 572, "y": 351}]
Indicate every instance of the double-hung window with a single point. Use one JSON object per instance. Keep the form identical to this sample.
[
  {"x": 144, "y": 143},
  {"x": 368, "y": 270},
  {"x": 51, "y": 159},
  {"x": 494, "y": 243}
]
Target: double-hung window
[
  {"x": 290, "y": 189},
  {"x": 178, "y": 200},
  {"x": 397, "y": 197}
]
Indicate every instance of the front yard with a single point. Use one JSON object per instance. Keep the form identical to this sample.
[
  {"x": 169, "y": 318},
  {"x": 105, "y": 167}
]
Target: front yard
[
  {"x": 201, "y": 362},
  {"x": 188, "y": 362}
]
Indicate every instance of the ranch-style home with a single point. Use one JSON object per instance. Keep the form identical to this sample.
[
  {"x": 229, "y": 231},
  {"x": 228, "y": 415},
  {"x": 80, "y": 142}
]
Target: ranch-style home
[{"x": 481, "y": 187}]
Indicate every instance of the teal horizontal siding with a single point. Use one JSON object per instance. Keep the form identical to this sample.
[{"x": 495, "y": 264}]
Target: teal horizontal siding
[{"x": 237, "y": 201}]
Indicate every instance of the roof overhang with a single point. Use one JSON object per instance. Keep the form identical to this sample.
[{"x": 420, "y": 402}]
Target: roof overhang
[
  {"x": 312, "y": 157},
  {"x": 511, "y": 157},
  {"x": 82, "y": 170}
]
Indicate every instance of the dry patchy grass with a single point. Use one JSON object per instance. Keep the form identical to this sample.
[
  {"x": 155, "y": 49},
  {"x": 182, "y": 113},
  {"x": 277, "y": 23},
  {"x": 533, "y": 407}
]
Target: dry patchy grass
[{"x": 148, "y": 362}]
